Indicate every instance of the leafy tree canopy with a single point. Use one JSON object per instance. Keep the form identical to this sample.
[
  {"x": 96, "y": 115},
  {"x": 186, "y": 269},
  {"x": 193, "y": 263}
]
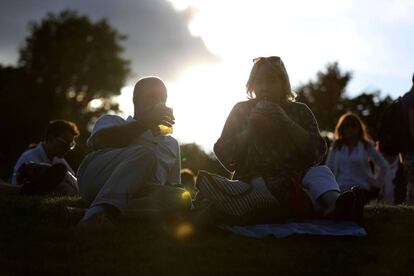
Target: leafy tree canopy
[
  {"x": 325, "y": 94},
  {"x": 327, "y": 98},
  {"x": 67, "y": 61},
  {"x": 74, "y": 61}
]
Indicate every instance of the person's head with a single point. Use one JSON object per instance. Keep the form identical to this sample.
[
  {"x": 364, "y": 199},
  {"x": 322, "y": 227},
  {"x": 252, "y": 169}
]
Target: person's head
[
  {"x": 60, "y": 137},
  {"x": 148, "y": 92},
  {"x": 350, "y": 128},
  {"x": 269, "y": 80}
]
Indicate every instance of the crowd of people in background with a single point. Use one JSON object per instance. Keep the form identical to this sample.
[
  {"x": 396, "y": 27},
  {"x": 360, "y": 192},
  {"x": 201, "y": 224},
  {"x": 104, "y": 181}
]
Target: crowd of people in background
[{"x": 270, "y": 143}]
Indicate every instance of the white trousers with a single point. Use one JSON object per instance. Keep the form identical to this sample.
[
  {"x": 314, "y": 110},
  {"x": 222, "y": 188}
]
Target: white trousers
[
  {"x": 317, "y": 181},
  {"x": 123, "y": 178}
]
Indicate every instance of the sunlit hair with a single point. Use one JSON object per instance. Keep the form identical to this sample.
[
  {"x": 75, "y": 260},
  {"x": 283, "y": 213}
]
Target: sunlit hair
[
  {"x": 149, "y": 85},
  {"x": 346, "y": 120},
  {"x": 57, "y": 128},
  {"x": 269, "y": 79}
]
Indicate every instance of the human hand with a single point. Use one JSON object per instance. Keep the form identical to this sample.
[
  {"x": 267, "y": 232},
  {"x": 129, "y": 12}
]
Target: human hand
[
  {"x": 273, "y": 109},
  {"x": 266, "y": 111},
  {"x": 158, "y": 115}
]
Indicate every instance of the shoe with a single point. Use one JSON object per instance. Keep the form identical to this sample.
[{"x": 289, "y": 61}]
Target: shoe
[
  {"x": 360, "y": 200},
  {"x": 46, "y": 182},
  {"x": 98, "y": 222},
  {"x": 344, "y": 207}
]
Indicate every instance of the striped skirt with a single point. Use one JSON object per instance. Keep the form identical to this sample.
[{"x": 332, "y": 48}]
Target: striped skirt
[{"x": 235, "y": 197}]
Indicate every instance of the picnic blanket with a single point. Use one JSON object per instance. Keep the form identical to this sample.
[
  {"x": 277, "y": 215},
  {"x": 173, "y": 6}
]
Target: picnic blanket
[{"x": 308, "y": 227}]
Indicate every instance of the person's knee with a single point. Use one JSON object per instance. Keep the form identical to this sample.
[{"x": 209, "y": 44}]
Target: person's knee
[
  {"x": 318, "y": 180},
  {"x": 321, "y": 170},
  {"x": 317, "y": 174}
]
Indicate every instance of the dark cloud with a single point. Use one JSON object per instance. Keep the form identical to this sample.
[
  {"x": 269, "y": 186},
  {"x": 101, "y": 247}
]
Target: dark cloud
[{"x": 158, "y": 43}]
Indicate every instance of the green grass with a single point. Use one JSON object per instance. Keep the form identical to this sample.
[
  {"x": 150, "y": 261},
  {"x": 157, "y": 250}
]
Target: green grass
[{"x": 35, "y": 239}]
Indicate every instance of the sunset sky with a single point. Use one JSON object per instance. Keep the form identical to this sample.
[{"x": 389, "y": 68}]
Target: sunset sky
[{"x": 204, "y": 49}]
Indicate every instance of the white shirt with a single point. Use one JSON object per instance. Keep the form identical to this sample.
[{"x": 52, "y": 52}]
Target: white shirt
[
  {"x": 354, "y": 169},
  {"x": 37, "y": 155},
  {"x": 166, "y": 148}
]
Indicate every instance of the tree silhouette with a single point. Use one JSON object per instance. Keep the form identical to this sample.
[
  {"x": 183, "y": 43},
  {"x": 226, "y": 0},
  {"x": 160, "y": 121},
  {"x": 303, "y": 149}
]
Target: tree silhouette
[
  {"x": 66, "y": 62},
  {"x": 328, "y": 101},
  {"x": 74, "y": 61},
  {"x": 325, "y": 95},
  {"x": 369, "y": 106}
]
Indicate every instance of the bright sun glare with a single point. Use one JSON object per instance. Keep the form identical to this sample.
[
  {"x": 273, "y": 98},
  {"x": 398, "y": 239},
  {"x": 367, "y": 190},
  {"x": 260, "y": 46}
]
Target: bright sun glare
[
  {"x": 203, "y": 96},
  {"x": 303, "y": 33}
]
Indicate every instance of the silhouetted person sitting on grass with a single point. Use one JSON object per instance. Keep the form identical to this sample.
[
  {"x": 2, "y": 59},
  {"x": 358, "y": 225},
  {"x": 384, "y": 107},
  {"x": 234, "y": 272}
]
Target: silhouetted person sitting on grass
[
  {"x": 133, "y": 166},
  {"x": 272, "y": 145}
]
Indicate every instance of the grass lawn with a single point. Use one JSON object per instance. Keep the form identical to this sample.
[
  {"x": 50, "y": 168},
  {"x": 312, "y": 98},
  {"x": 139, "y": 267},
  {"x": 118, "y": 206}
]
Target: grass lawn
[{"x": 34, "y": 239}]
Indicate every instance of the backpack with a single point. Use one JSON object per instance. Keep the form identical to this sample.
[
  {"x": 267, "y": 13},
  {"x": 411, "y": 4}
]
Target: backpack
[{"x": 393, "y": 132}]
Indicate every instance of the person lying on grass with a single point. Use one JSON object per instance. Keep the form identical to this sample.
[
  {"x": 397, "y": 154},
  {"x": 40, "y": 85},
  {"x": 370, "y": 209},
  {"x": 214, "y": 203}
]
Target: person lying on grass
[{"x": 133, "y": 166}]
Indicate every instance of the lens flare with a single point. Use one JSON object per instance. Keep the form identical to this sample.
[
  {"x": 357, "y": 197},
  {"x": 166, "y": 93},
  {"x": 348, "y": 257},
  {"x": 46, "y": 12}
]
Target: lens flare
[
  {"x": 184, "y": 230},
  {"x": 186, "y": 195}
]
